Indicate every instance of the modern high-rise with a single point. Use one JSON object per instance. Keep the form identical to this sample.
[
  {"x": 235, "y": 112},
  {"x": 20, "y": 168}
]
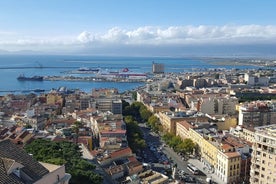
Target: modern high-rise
[
  {"x": 263, "y": 162},
  {"x": 157, "y": 67}
]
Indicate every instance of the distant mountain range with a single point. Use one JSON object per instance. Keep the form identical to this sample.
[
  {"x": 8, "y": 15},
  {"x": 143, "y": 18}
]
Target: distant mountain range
[{"x": 229, "y": 51}]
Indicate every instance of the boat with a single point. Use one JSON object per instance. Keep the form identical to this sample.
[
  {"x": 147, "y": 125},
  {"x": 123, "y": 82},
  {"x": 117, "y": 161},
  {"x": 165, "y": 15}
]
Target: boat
[
  {"x": 123, "y": 74},
  {"x": 33, "y": 78},
  {"x": 39, "y": 90},
  {"x": 86, "y": 69}
]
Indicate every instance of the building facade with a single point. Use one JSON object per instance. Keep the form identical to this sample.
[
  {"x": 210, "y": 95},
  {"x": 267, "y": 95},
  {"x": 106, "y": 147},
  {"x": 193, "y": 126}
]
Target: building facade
[{"x": 263, "y": 162}]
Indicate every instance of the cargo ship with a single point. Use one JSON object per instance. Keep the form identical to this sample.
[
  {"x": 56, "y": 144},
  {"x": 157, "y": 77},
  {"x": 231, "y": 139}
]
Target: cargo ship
[{"x": 33, "y": 78}]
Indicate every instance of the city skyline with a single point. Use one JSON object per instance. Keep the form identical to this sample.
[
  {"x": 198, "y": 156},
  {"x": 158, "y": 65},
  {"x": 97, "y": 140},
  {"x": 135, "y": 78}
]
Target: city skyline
[{"x": 139, "y": 28}]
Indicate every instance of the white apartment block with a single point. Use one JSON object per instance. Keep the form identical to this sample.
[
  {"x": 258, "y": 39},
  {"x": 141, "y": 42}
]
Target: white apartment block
[{"x": 263, "y": 162}]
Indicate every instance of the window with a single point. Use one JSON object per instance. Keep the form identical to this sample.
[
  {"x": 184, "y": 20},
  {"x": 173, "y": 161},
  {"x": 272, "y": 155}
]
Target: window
[{"x": 263, "y": 169}]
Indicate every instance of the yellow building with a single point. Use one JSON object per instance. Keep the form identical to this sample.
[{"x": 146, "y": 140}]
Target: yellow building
[
  {"x": 227, "y": 123},
  {"x": 183, "y": 129},
  {"x": 208, "y": 148},
  {"x": 168, "y": 121},
  {"x": 53, "y": 99},
  {"x": 228, "y": 167},
  {"x": 157, "y": 108},
  {"x": 222, "y": 159}
]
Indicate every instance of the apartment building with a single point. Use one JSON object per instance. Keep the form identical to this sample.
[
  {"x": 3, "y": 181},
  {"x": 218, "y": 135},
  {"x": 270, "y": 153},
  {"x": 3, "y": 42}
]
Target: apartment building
[
  {"x": 257, "y": 113},
  {"x": 158, "y": 67},
  {"x": 228, "y": 166},
  {"x": 263, "y": 167}
]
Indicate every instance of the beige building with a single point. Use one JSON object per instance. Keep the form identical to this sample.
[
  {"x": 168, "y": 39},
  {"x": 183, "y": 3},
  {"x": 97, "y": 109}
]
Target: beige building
[
  {"x": 54, "y": 98},
  {"x": 228, "y": 167},
  {"x": 219, "y": 105},
  {"x": 248, "y": 134},
  {"x": 228, "y": 122},
  {"x": 183, "y": 129},
  {"x": 263, "y": 168},
  {"x": 168, "y": 120}
]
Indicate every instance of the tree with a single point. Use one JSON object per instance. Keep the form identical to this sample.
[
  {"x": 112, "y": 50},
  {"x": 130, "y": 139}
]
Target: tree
[
  {"x": 189, "y": 145},
  {"x": 145, "y": 114},
  {"x": 176, "y": 140},
  {"x": 134, "y": 136},
  {"x": 76, "y": 129},
  {"x": 67, "y": 153},
  {"x": 134, "y": 95}
]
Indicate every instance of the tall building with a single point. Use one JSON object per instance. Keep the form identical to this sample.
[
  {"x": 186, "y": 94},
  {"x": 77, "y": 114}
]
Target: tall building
[
  {"x": 158, "y": 67},
  {"x": 263, "y": 162},
  {"x": 257, "y": 113}
]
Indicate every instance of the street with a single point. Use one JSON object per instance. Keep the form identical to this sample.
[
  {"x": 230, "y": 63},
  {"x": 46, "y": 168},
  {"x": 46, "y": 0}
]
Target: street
[{"x": 162, "y": 157}]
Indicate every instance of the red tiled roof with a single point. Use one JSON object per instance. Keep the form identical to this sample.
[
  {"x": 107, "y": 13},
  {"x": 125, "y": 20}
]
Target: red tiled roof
[
  {"x": 122, "y": 152},
  {"x": 232, "y": 154},
  {"x": 113, "y": 132},
  {"x": 226, "y": 147},
  {"x": 132, "y": 159}
]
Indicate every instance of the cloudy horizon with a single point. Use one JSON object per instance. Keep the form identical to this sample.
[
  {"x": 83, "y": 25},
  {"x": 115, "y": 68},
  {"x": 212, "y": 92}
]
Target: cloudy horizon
[
  {"x": 142, "y": 28},
  {"x": 147, "y": 36}
]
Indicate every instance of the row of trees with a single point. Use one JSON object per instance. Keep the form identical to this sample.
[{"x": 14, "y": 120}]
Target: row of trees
[
  {"x": 185, "y": 147},
  {"x": 67, "y": 153},
  {"x": 134, "y": 114},
  {"x": 137, "y": 112}
]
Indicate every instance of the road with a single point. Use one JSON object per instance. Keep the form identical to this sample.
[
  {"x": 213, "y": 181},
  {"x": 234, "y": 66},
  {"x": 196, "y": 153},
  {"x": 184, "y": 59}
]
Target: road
[
  {"x": 99, "y": 170},
  {"x": 154, "y": 139}
]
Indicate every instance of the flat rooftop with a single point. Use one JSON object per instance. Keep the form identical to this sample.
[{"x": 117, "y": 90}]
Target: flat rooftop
[{"x": 269, "y": 130}]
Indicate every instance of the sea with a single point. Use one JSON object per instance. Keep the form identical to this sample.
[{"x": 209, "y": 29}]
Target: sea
[{"x": 11, "y": 66}]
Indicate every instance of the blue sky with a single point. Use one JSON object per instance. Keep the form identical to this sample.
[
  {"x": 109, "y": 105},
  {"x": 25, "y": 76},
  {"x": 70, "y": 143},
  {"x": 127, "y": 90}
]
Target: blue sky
[{"x": 96, "y": 27}]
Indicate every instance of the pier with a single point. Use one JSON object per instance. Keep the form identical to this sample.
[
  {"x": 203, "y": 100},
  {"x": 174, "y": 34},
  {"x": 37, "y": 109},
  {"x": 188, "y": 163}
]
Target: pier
[{"x": 90, "y": 79}]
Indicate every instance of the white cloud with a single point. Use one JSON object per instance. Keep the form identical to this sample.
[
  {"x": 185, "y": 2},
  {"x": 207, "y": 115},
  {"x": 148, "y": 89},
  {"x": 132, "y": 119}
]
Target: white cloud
[
  {"x": 148, "y": 35},
  {"x": 84, "y": 37},
  {"x": 191, "y": 34}
]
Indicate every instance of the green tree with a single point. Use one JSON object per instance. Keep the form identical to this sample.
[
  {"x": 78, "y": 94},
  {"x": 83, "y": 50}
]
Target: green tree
[
  {"x": 76, "y": 129},
  {"x": 189, "y": 145},
  {"x": 65, "y": 153},
  {"x": 134, "y": 95},
  {"x": 145, "y": 114},
  {"x": 135, "y": 136}
]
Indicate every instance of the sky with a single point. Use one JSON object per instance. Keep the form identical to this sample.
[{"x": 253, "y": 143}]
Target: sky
[{"x": 139, "y": 27}]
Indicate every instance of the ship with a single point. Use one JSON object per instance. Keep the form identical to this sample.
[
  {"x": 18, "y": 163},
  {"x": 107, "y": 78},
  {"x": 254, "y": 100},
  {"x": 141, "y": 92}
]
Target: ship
[
  {"x": 33, "y": 78},
  {"x": 86, "y": 69},
  {"x": 39, "y": 90},
  {"x": 123, "y": 74}
]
